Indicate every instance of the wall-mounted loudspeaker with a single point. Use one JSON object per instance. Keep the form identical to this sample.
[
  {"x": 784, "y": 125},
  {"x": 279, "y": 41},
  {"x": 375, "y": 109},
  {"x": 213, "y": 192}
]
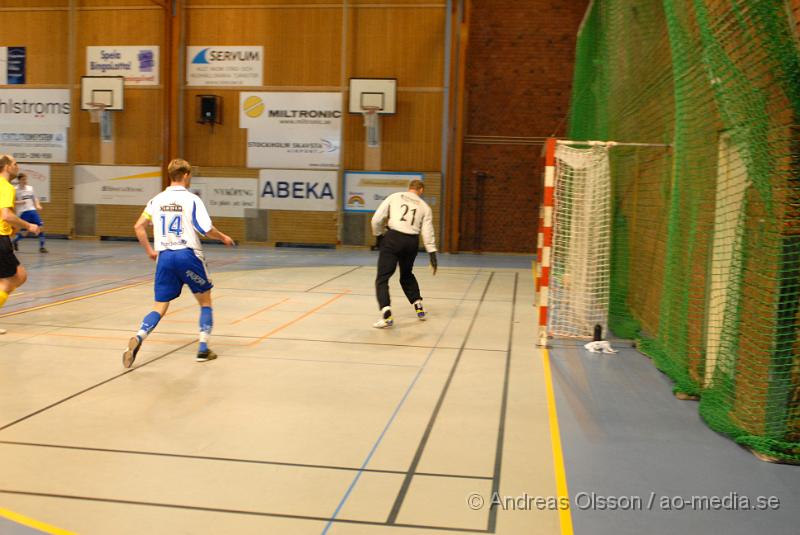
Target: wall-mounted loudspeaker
[{"x": 209, "y": 109}]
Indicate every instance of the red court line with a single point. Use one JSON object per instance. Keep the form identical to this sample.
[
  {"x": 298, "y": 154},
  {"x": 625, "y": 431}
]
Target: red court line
[
  {"x": 260, "y": 310},
  {"x": 301, "y": 317},
  {"x": 70, "y": 300}
]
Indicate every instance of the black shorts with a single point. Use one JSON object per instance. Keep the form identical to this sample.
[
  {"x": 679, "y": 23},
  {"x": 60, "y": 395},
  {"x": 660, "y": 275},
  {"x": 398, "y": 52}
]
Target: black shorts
[{"x": 8, "y": 260}]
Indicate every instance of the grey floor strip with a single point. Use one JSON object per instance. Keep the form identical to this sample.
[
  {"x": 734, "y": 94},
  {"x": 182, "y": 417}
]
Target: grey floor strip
[
  {"x": 235, "y": 511},
  {"x": 401, "y": 495},
  {"x": 76, "y": 394},
  {"x": 498, "y": 459},
  {"x": 230, "y": 459}
]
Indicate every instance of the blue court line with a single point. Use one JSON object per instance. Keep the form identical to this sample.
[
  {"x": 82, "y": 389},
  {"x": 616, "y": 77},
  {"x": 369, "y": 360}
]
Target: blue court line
[{"x": 396, "y": 411}]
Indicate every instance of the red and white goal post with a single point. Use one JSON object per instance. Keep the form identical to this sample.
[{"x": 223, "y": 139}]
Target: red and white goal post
[{"x": 574, "y": 240}]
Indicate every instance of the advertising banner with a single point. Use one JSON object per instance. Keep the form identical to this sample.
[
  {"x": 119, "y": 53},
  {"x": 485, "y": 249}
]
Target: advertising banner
[
  {"x": 138, "y": 64},
  {"x": 12, "y": 65},
  {"x": 35, "y": 107},
  {"x": 365, "y": 190},
  {"x": 39, "y": 178},
  {"x": 224, "y": 65},
  {"x": 44, "y": 143},
  {"x": 292, "y": 130},
  {"x": 121, "y": 185},
  {"x": 286, "y": 189},
  {"x": 226, "y": 197}
]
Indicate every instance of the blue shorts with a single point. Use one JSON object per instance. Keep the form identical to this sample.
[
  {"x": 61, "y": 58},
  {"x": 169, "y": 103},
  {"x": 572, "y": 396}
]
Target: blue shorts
[
  {"x": 32, "y": 216},
  {"x": 176, "y": 268}
]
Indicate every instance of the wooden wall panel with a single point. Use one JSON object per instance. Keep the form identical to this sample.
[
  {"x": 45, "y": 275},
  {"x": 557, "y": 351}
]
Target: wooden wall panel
[
  {"x": 302, "y": 47},
  {"x": 116, "y": 221},
  {"x": 302, "y": 227},
  {"x": 44, "y": 34},
  {"x": 260, "y": 4},
  {"x": 57, "y": 213},
  {"x": 411, "y": 139},
  {"x": 31, "y": 5},
  {"x": 114, "y": 25},
  {"x": 226, "y": 144},
  {"x": 137, "y": 131},
  {"x": 302, "y": 41},
  {"x": 402, "y": 43}
]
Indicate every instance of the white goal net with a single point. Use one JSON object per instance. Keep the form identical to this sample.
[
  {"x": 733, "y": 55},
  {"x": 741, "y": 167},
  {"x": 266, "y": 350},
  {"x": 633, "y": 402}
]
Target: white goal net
[{"x": 581, "y": 255}]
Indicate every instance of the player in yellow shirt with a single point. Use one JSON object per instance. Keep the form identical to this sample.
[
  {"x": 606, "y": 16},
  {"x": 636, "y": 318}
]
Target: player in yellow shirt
[{"x": 12, "y": 274}]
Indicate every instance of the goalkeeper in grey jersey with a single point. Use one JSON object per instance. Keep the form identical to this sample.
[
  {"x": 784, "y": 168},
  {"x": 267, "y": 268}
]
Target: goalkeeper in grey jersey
[{"x": 407, "y": 216}]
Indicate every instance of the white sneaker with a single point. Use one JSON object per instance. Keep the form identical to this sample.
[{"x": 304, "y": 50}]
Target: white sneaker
[
  {"x": 386, "y": 319},
  {"x": 383, "y": 323}
]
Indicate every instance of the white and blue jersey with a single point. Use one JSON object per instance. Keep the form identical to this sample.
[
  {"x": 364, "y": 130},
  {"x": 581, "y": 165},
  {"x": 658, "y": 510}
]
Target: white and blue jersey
[
  {"x": 25, "y": 205},
  {"x": 178, "y": 217}
]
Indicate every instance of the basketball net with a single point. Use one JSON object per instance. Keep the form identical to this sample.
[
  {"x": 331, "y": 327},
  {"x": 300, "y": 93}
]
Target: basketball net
[
  {"x": 372, "y": 124},
  {"x": 99, "y": 114}
]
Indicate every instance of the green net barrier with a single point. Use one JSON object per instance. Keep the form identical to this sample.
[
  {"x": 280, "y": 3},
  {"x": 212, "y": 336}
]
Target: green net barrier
[{"x": 706, "y": 234}]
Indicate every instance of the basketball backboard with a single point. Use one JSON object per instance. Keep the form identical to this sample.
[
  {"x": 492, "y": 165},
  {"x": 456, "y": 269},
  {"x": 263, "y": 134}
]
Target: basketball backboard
[
  {"x": 105, "y": 90},
  {"x": 380, "y": 93}
]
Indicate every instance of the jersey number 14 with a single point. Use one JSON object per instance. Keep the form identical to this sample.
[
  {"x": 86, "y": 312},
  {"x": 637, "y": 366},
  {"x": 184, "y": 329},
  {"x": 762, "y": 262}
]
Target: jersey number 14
[{"x": 175, "y": 225}]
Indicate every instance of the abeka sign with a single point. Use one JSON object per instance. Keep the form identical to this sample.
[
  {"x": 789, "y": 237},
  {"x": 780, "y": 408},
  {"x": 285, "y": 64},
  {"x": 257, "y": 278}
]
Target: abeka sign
[
  {"x": 283, "y": 189},
  {"x": 224, "y": 65}
]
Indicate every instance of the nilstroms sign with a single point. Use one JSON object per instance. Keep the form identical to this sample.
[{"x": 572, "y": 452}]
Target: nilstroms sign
[
  {"x": 224, "y": 65},
  {"x": 292, "y": 130},
  {"x": 35, "y": 107},
  {"x": 33, "y": 124}
]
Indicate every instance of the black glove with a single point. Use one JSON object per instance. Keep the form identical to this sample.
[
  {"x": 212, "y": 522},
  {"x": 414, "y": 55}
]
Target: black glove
[{"x": 434, "y": 262}]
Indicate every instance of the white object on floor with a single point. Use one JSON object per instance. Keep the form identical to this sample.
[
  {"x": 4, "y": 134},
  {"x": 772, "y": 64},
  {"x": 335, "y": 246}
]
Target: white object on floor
[
  {"x": 3, "y": 331},
  {"x": 602, "y": 346}
]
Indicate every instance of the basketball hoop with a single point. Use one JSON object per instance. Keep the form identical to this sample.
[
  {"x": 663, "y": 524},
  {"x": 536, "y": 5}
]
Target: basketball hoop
[
  {"x": 99, "y": 113},
  {"x": 96, "y": 111},
  {"x": 372, "y": 125}
]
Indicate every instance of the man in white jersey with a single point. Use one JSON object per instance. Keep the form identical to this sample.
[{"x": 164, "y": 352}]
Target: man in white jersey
[
  {"x": 177, "y": 216},
  {"x": 406, "y": 215},
  {"x": 27, "y": 207}
]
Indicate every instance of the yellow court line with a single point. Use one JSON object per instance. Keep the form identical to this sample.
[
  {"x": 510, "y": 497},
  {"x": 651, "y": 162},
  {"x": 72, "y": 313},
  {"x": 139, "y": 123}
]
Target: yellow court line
[
  {"x": 70, "y": 300},
  {"x": 31, "y": 523},
  {"x": 564, "y": 513}
]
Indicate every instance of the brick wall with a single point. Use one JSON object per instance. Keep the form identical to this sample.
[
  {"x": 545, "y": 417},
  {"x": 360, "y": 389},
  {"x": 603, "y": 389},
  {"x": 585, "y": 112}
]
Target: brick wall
[{"x": 518, "y": 83}]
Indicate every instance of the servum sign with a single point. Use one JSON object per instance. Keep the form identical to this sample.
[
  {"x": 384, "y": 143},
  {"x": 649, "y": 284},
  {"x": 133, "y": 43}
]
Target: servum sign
[
  {"x": 292, "y": 130},
  {"x": 284, "y": 189},
  {"x": 224, "y": 65}
]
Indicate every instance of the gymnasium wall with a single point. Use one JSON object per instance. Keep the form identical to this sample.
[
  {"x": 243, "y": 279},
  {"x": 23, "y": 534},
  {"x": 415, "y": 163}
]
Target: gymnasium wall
[
  {"x": 304, "y": 51},
  {"x": 519, "y": 78}
]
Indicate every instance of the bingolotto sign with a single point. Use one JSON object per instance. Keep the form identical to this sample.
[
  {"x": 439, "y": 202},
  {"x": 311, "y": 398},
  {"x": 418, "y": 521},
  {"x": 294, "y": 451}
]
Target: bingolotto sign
[
  {"x": 224, "y": 65},
  {"x": 35, "y": 106}
]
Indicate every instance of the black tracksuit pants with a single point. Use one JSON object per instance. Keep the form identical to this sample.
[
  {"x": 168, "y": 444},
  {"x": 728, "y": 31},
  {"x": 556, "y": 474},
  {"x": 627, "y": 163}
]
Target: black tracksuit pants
[{"x": 397, "y": 248}]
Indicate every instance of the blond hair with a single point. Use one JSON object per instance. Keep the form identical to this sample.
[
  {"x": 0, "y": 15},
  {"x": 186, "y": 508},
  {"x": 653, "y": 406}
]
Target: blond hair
[{"x": 178, "y": 168}]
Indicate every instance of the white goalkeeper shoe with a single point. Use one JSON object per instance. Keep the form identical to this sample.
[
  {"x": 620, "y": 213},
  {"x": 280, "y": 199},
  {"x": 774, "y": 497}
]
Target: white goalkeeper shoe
[{"x": 386, "y": 319}]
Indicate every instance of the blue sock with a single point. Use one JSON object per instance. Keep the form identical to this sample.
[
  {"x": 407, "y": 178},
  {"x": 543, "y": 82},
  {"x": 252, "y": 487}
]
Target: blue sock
[
  {"x": 148, "y": 324},
  {"x": 206, "y": 323},
  {"x": 19, "y": 237},
  {"x": 41, "y": 240}
]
